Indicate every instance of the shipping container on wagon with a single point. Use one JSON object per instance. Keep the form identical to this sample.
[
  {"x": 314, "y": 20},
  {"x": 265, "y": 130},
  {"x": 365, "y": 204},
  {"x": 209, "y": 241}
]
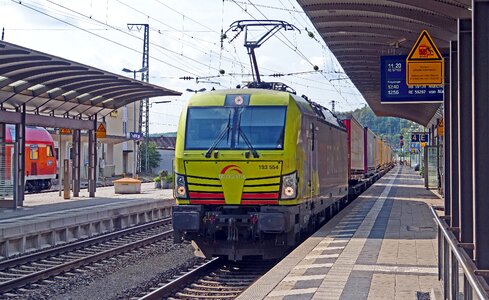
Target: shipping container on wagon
[
  {"x": 389, "y": 154},
  {"x": 356, "y": 151},
  {"x": 389, "y": 162},
  {"x": 378, "y": 152},
  {"x": 382, "y": 153},
  {"x": 369, "y": 151},
  {"x": 385, "y": 155}
]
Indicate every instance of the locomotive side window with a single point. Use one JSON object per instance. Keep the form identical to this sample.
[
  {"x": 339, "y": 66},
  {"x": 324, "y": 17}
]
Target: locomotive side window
[
  {"x": 34, "y": 152},
  {"x": 49, "y": 151}
]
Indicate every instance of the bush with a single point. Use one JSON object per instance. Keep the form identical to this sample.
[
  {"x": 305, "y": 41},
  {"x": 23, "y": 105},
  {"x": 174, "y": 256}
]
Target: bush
[
  {"x": 157, "y": 179},
  {"x": 163, "y": 174},
  {"x": 168, "y": 178}
]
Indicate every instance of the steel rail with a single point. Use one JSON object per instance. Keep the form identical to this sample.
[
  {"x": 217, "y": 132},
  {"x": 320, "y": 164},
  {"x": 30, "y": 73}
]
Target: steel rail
[
  {"x": 56, "y": 270},
  {"x": 464, "y": 260},
  {"x": 169, "y": 288},
  {"x": 38, "y": 255}
]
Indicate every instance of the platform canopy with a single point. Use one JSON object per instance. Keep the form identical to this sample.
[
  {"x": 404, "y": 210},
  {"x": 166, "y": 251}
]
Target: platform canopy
[
  {"x": 57, "y": 87},
  {"x": 359, "y": 32}
]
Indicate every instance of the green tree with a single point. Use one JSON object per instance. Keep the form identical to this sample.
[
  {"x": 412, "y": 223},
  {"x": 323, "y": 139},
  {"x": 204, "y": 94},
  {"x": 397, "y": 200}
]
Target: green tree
[{"x": 154, "y": 157}]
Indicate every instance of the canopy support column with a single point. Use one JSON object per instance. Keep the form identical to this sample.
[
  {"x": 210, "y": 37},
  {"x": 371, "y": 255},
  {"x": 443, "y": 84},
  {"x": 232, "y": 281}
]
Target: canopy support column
[
  {"x": 447, "y": 140},
  {"x": 454, "y": 136},
  {"x": 3, "y": 166},
  {"x": 92, "y": 159},
  {"x": 465, "y": 131},
  {"x": 480, "y": 93},
  {"x": 20, "y": 172},
  {"x": 76, "y": 162}
]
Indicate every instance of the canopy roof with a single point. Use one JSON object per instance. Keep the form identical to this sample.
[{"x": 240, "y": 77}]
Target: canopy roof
[
  {"x": 50, "y": 85},
  {"x": 359, "y": 32}
]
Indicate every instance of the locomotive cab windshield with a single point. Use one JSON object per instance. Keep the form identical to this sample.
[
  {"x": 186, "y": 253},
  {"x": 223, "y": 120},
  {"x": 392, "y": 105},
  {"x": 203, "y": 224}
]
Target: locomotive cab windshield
[{"x": 235, "y": 128}]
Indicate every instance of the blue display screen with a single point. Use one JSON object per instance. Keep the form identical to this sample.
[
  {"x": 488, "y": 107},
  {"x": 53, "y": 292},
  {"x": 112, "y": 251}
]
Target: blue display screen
[{"x": 393, "y": 88}]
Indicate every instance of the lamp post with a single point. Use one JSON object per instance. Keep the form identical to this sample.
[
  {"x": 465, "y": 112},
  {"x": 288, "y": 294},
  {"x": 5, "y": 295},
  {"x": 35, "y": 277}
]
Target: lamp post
[{"x": 135, "y": 168}]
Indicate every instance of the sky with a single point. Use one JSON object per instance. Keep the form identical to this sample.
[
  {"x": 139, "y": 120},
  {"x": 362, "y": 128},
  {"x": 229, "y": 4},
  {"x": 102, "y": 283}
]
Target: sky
[{"x": 185, "y": 41}]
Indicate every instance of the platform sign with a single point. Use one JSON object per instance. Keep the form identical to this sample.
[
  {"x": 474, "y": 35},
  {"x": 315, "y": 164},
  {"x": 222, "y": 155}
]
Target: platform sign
[
  {"x": 393, "y": 86},
  {"x": 425, "y": 63},
  {"x": 414, "y": 138},
  {"x": 65, "y": 131},
  {"x": 101, "y": 131},
  {"x": 136, "y": 136}
]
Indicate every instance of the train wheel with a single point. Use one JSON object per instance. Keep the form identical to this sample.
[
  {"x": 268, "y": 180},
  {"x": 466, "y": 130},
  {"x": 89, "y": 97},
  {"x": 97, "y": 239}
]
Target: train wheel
[{"x": 29, "y": 186}]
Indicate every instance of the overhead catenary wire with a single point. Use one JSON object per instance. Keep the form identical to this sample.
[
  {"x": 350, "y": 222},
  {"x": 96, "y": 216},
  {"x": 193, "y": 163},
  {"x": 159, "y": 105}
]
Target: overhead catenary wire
[
  {"x": 88, "y": 19},
  {"x": 196, "y": 47},
  {"x": 188, "y": 64},
  {"x": 127, "y": 33},
  {"x": 97, "y": 35},
  {"x": 143, "y": 13},
  {"x": 269, "y": 6},
  {"x": 185, "y": 16},
  {"x": 297, "y": 51}
]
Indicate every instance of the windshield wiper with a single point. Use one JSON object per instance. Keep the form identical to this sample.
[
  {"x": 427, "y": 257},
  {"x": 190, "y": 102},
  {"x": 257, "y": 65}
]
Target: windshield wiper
[
  {"x": 247, "y": 141},
  {"x": 245, "y": 138},
  {"x": 219, "y": 137}
]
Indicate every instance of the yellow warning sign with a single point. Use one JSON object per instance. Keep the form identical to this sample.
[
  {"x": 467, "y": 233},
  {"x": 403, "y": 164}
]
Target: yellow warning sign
[
  {"x": 101, "y": 131},
  {"x": 441, "y": 130},
  {"x": 65, "y": 131},
  {"x": 424, "y": 64}
]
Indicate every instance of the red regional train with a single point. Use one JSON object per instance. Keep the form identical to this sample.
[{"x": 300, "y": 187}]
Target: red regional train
[{"x": 40, "y": 158}]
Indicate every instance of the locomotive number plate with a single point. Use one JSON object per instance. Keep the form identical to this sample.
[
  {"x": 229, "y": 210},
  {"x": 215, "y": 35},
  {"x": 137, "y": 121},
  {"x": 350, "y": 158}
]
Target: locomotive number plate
[{"x": 268, "y": 167}]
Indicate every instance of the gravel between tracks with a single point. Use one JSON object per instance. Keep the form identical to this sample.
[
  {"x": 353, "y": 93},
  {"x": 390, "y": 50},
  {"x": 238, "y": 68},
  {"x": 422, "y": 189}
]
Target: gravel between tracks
[{"x": 116, "y": 279}]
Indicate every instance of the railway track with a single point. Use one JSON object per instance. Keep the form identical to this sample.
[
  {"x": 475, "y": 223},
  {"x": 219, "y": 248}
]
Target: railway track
[
  {"x": 31, "y": 268},
  {"x": 214, "y": 279}
]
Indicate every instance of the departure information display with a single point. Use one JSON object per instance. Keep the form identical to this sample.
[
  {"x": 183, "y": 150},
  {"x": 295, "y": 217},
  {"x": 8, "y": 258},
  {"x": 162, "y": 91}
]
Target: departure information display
[{"x": 393, "y": 87}]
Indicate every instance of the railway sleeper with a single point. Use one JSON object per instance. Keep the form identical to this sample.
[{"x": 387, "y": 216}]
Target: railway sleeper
[
  {"x": 186, "y": 296},
  {"x": 16, "y": 270},
  {"x": 10, "y": 275},
  {"x": 223, "y": 287},
  {"x": 226, "y": 279},
  {"x": 246, "y": 275},
  {"x": 213, "y": 291}
]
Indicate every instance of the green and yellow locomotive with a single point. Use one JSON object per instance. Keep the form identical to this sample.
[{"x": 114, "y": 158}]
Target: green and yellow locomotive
[{"x": 255, "y": 170}]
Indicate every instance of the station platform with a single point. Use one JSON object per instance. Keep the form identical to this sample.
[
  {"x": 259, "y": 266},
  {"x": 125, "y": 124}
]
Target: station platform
[
  {"x": 46, "y": 219},
  {"x": 382, "y": 246},
  {"x": 51, "y": 203}
]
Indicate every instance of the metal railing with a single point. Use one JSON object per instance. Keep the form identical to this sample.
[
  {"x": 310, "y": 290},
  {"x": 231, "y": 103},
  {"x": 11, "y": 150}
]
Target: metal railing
[{"x": 456, "y": 268}]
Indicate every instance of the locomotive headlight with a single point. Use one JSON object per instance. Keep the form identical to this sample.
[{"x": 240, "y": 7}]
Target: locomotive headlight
[
  {"x": 289, "y": 186},
  {"x": 180, "y": 186}
]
